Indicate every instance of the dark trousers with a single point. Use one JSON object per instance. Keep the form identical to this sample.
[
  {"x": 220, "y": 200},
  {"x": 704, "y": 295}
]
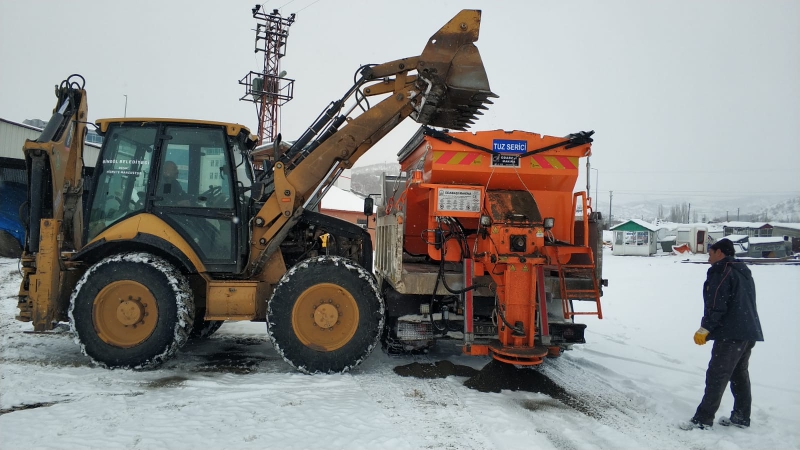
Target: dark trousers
[{"x": 729, "y": 362}]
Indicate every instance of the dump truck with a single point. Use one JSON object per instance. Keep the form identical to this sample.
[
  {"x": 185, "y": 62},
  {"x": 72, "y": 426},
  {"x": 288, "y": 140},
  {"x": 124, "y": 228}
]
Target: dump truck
[
  {"x": 180, "y": 234},
  {"x": 482, "y": 240}
]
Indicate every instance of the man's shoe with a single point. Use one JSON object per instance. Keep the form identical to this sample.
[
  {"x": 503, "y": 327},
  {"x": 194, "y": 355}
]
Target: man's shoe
[
  {"x": 728, "y": 421},
  {"x": 695, "y": 424}
]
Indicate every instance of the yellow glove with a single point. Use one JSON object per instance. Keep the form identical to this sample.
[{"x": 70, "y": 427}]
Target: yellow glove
[{"x": 700, "y": 336}]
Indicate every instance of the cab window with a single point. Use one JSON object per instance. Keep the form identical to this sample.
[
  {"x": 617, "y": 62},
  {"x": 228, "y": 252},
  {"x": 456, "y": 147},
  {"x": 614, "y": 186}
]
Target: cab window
[
  {"x": 194, "y": 170},
  {"x": 122, "y": 173}
]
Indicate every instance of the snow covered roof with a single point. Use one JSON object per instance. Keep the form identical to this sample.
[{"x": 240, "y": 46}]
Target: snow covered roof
[
  {"x": 22, "y": 125},
  {"x": 691, "y": 226},
  {"x": 342, "y": 200},
  {"x": 667, "y": 226},
  {"x": 736, "y": 237},
  {"x": 756, "y": 225},
  {"x": 766, "y": 240},
  {"x": 745, "y": 224},
  {"x": 675, "y": 226},
  {"x": 794, "y": 226},
  {"x": 641, "y": 223}
]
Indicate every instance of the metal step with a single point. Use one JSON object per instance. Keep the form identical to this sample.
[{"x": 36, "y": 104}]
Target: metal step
[{"x": 567, "y": 295}]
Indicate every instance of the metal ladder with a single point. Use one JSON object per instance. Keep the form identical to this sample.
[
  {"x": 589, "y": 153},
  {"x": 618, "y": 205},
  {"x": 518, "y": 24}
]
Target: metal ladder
[{"x": 585, "y": 271}]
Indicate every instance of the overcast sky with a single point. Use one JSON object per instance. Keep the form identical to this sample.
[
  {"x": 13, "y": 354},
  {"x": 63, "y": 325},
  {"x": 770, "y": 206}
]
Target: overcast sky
[{"x": 688, "y": 98}]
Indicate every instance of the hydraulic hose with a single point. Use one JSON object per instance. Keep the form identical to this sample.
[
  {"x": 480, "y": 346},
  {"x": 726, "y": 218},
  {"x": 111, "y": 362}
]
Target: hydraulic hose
[{"x": 441, "y": 272}]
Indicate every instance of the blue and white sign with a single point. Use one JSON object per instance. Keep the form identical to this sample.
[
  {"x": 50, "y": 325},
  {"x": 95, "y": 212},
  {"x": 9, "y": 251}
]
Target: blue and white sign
[{"x": 509, "y": 146}]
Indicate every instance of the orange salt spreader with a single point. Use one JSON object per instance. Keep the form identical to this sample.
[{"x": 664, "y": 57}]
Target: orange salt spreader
[{"x": 481, "y": 239}]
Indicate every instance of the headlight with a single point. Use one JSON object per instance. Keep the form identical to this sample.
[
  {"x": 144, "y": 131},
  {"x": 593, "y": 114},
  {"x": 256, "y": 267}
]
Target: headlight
[
  {"x": 549, "y": 222},
  {"x": 486, "y": 221}
]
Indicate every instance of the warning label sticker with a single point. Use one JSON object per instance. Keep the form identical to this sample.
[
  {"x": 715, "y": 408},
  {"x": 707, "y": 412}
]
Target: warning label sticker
[{"x": 468, "y": 200}]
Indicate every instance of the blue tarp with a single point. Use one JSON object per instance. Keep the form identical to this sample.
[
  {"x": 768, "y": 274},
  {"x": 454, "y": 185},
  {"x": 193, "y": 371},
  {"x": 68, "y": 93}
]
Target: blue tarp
[{"x": 12, "y": 196}]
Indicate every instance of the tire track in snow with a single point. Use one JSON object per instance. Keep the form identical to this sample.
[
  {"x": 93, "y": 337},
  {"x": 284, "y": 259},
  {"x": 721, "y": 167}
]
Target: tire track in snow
[{"x": 626, "y": 412}]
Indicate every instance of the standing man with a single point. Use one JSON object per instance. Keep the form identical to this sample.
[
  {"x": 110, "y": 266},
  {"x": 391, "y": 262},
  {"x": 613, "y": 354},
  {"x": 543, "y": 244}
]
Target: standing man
[{"x": 730, "y": 319}]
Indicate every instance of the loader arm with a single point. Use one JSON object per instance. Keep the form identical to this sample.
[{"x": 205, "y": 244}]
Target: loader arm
[
  {"x": 448, "y": 90},
  {"x": 54, "y": 207}
]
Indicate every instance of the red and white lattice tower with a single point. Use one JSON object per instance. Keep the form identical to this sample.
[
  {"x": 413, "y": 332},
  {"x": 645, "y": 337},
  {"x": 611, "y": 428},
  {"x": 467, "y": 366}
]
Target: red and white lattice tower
[{"x": 269, "y": 89}]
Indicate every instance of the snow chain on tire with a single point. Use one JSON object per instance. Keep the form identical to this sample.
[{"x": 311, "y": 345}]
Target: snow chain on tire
[
  {"x": 140, "y": 330},
  {"x": 326, "y": 315}
]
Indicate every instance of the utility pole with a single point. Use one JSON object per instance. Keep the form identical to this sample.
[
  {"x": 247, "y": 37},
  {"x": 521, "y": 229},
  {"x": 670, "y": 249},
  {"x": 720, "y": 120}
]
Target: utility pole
[
  {"x": 268, "y": 89},
  {"x": 125, "y": 114},
  {"x": 610, "y": 197},
  {"x": 737, "y": 214},
  {"x": 689, "y": 213}
]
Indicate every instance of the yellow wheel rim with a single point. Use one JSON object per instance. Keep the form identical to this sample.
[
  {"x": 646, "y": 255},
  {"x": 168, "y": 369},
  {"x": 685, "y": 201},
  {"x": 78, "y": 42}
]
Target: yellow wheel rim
[
  {"x": 124, "y": 313},
  {"x": 325, "y": 317}
]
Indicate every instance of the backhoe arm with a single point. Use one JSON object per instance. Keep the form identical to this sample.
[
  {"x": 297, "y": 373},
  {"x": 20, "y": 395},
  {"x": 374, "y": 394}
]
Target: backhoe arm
[
  {"x": 54, "y": 207},
  {"x": 56, "y": 157},
  {"x": 448, "y": 90}
]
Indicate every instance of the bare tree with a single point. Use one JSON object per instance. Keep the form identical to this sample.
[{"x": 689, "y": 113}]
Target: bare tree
[{"x": 679, "y": 213}]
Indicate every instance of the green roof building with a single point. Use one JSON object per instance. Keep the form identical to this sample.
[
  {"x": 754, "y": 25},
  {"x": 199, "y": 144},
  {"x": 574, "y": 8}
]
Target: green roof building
[{"x": 634, "y": 238}]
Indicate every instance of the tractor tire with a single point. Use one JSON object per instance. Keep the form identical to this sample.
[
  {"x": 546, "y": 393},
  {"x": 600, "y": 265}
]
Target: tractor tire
[
  {"x": 204, "y": 328},
  {"x": 132, "y": 310},
  {"x": 325, "y": 315}
]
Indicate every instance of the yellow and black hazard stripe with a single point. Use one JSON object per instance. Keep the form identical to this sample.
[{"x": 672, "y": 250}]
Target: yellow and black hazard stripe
[
  {"x": 554, "y": 162},
  {"x": 457, "y": 158},
  {"x": 475, "y": 158}
]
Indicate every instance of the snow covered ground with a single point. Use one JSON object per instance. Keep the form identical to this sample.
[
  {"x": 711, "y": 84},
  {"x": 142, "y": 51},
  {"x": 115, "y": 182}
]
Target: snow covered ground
[{"x": 640, "y": 373}]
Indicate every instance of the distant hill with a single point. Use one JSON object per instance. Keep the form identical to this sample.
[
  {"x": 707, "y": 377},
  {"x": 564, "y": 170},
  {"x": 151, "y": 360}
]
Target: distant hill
[
  {"x": 785, "y": 211},
  {"x": 762, "y": 209}
]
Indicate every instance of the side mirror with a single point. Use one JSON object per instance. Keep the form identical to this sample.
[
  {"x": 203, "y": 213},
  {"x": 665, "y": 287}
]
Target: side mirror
[
  {"x": 257, "y": 191},
  {"x": 369, "y": 205}
]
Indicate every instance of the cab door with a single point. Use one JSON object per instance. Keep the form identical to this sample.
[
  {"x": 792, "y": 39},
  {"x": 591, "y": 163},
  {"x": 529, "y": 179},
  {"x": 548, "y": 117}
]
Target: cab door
[
  {"x": 121, "y": 176},
  {"x": 193, "y": 192}
]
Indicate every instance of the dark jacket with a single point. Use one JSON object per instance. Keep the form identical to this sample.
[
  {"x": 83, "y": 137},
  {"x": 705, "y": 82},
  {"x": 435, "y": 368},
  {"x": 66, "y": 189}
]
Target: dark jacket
[
  {"x": 172, "y": 194},
  {"x": 730, "y": 302}
]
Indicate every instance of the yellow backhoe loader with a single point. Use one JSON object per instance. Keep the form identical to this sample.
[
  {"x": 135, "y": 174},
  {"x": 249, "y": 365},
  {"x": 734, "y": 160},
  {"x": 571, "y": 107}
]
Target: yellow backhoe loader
[{"x": 180, "y": 234}]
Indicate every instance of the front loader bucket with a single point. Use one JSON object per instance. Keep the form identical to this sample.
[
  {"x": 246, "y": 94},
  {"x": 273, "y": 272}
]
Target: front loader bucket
[{"x": 452, "y": 78}]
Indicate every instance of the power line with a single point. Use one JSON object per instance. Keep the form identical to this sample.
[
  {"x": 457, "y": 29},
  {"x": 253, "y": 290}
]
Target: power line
[
  {"x": 290, "y": 2},
  {"x": 309, "y": 5}
]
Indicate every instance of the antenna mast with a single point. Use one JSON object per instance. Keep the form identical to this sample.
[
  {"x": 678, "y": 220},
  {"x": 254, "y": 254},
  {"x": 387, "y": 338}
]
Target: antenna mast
[{"x": 269, "y": 89}]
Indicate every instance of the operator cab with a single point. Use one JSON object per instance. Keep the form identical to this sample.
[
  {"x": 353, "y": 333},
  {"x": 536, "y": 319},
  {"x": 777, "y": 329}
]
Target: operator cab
[{"x": 195, "y": 176}]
